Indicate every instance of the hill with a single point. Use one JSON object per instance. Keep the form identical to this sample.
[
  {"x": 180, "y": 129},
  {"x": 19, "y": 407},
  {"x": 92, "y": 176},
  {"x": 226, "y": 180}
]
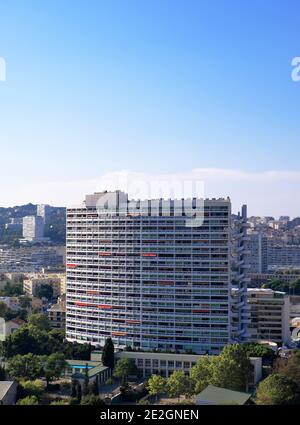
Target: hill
[{"x": 55, "y": 228}]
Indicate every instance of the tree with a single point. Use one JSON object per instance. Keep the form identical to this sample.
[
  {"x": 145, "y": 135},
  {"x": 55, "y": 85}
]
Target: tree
[
  {"x": 77, "y": 351},
  {"x": 156, "y": 385},
  {"x": 25, "y": 302},
  {"x": 178, "y": 383},
  {"x": 92, "y": 400},
  {"x": 27, "y": 339},
  {"x": 10, "y": 290},
  {"x": 94, "y": 386},
  {"x": 45, "y": 291},
  {"x": 108, "y": 358},
  {"x": 40, "y": 321},
  {"x": 30, "y": 400},
  {"x": 277, "y": 389},
  {"x": 78, "y": 392},
  {"x": 74, "y": 389},
  {"x": 3, "y": 309},
  {"x": 26, "y": 366},
  {"x": 289, "y": 367},
  {"x": 2, "y": 373},
  {"x": 259, "y": 350},
  {"x": 231, "y": 369},
  {"x": 234, "y": 368},
  {"x": 202, "y": 373},
  {"x": 86, "y": 381},
  {"x": 124, "y": 368},
  {"x": 54, "y": 366}
]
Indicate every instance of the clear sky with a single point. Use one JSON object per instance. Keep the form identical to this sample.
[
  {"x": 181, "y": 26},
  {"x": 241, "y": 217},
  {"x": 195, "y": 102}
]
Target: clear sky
[{"x": 154, "y": 87}]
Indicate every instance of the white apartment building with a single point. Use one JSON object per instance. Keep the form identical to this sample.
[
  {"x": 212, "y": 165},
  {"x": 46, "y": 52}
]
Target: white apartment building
[
  {"x": 154, "y": 281},
  {"x": 33, "y": 228},
  {"x": 257, "y": 244}
]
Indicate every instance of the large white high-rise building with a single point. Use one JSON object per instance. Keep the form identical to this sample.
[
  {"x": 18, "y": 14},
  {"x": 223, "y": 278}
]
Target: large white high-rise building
[
  {"x": 33, "y": 228},
  {"x": 152, "y": 279}
]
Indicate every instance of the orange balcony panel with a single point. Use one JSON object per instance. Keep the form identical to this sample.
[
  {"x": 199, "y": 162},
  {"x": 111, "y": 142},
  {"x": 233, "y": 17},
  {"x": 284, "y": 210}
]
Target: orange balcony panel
[
  {"x": 133, "y": 322},
  {"x": 104, "y": 306},
  {"x": 166, "y": 282},
  {"x": 71, "y": 266},
  {"x": 149, "y": 255},
  {"x": 104, "y": 254},
  {"x": 119, "y": 333},
  {"x": 200, "y": 311}
]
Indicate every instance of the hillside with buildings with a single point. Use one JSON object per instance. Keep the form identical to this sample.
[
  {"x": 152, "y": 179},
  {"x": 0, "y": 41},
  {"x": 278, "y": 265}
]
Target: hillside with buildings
[{"x": 50, "y": 221}]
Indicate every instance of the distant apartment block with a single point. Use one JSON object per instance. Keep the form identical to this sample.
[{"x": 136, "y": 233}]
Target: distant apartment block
[
  {"x": 33, "y": 229},
  {"x": 36, "y": 280},
  {"x": 14, "y": 224},
  {"x": 257, "y": 279},
  {"x": 270, "y": 315},
  {"x": 283, "y": 256},
  {"x": 29, "y": 259},
  {"x": 154, "y": 281},
  {"x": 44, "y": 211},
  {"x": 257, "y": 244}
]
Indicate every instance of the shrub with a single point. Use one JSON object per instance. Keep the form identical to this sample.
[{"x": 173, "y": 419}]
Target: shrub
[
  {"x": 65, "y": 386},
  {"x": 58, "y": 403},
  {"x": 53, "y": 387},
  {"x": 92, "y": 400},
  {"x": 30, "y": 400},
  {"x": 29, "y": 388}
]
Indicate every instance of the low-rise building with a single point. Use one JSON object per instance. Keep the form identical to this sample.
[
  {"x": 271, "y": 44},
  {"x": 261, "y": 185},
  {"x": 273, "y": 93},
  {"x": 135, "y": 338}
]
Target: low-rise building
[
  {"x": 294, "y": 306},
  {"x": 216, "y": 396},
  {"x": 9, "y": 326},
  {"x": 36, "y": 280},
  {"x": 11, "y": 302},
  {"x": 76, "y": 370},
  {"x": 8, "y": 392},
  {"x": 164, "y": 364},
  {"x": 57, "y": 314}
]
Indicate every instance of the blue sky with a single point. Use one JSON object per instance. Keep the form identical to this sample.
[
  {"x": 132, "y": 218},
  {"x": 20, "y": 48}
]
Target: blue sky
[{"x": 155, "y": 87}]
